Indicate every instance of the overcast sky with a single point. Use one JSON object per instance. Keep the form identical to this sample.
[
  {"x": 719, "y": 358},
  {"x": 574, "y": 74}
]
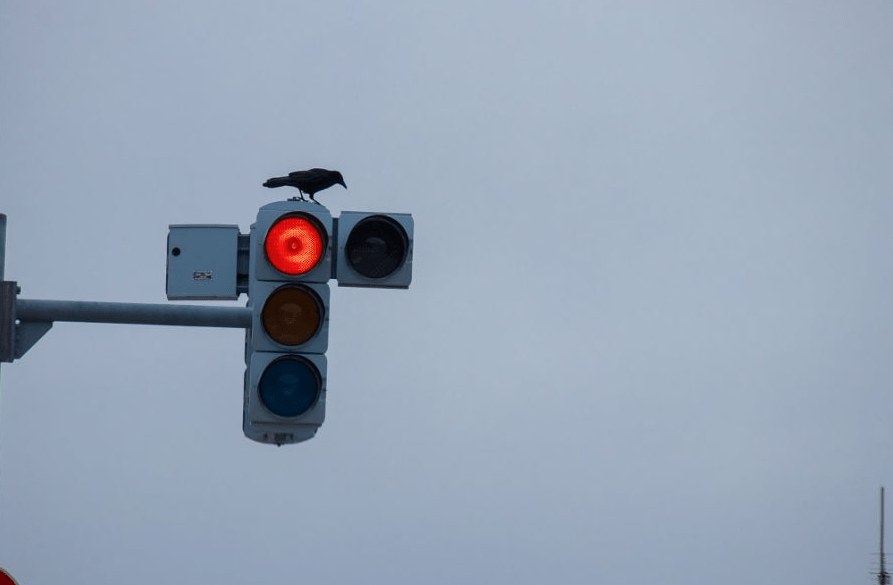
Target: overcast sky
[{"x": 648, "y": 337}]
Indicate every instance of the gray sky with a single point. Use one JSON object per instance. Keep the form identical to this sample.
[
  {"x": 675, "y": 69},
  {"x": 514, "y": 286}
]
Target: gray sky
[{"x": 648, "y": 337}]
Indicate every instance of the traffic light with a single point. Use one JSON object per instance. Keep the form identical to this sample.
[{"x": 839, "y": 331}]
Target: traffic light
[
  {"x": 374, "y": 250},
  {"x": 294, "y": 248},
  {"x": 290, "y": 263}
]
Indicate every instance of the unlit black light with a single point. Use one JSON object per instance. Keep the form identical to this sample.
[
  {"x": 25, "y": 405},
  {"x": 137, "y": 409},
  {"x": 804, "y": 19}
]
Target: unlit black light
[{"x": 376, "y": 247}]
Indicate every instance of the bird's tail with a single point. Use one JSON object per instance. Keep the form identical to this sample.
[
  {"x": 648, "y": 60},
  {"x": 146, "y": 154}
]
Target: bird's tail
[{"x": 276, "y": 182}]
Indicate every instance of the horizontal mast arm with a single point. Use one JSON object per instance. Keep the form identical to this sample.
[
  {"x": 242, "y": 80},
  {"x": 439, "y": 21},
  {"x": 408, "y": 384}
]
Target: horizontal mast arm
[{"x": 133, "y": 313}]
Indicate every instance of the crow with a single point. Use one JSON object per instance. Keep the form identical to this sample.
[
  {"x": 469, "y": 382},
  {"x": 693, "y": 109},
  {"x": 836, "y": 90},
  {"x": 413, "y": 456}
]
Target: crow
[{"x": 308, "y": 182}]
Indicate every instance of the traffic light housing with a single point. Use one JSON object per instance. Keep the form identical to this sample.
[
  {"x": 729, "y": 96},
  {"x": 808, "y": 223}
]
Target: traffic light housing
[
  {"x": 374, "y": 250},
  {"x": 293, "y": 249},
  {"x": 290, "y": 263}
]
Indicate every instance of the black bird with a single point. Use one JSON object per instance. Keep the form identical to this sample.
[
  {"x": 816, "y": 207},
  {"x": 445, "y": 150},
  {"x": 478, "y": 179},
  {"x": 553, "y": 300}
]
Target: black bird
[{"x": 308, "y": 182}]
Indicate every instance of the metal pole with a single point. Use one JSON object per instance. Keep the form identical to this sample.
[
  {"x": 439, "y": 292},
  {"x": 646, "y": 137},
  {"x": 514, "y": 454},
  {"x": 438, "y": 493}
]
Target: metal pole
[
  {"x": 5, "y": 334},
  {"x": 883, "y": 578},
  {"x": 2, "y": 244},
  {"x": 132, "y": 313}
]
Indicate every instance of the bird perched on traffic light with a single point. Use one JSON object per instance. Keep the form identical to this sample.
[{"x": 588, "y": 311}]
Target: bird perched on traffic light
[{"x": 308, "y": 182}]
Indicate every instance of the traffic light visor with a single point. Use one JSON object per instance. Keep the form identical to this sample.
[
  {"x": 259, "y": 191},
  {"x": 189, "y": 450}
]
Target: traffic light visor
[
  {"x": 294, "y": 244},
  {"x": 292, "y": 315},
  {"x": 289, "y": 386},
  {"x": 376, "y": 247}
]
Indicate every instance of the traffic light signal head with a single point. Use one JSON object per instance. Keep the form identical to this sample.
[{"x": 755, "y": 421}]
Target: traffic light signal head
[
  {"x": 293, "y": 243},
  {"x": 295, "y": 247},
  {"x": 374, "y": 250},
  {"x": 289, "y": 267},
  {"x": 290, "y": 316},
  {"x": 285, "y": 397}
]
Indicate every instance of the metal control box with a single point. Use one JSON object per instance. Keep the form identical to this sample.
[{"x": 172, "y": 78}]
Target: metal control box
[{"x": 202, "y": 262}]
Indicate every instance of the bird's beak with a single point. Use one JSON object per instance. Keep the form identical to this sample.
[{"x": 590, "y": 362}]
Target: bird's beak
[{"x": 342, "y": 184}]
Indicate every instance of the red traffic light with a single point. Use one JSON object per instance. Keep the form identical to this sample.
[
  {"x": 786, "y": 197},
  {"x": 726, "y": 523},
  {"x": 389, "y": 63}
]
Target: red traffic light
[{"x": 294, "y": 244}]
